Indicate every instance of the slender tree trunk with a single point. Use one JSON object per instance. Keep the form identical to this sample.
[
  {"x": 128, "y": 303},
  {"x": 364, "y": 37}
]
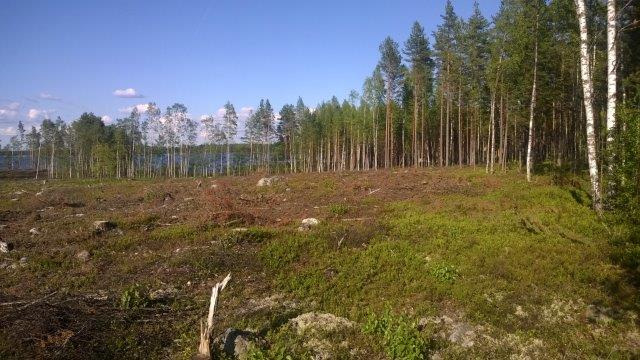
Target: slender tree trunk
[
  {"x": 415, "y": 125},
  {"x": 440, "y": 147},
  {"x": 491, "y": 140},
  {"x": 611, "y": 73},
  {"x": 460, "y": 123},
  {"x": 532, "y": 107},
  {"x": 587, "y": 88},
  {"x": 228, "y": 159},
  {"x": 448, "y": 124},
  {"x": 388, "y": 151}
]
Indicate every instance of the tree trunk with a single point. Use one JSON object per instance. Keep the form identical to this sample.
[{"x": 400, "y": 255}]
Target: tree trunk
[
  {"x": 587, "y": 88},
  {"x": 611, "y": 72},
  {"x": 460, "y": 122},
  {"x": 532, "y": 108}
]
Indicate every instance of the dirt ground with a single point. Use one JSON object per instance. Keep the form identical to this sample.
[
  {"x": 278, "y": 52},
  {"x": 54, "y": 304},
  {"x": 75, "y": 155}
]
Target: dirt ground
[{"x": 71, "y": 291}]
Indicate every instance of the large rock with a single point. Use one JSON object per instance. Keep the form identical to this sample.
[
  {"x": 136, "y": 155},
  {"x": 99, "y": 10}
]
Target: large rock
[
  {"x": 268, "y": 181},
  {"x": 236, "y": 343},
  {"x": 308, "y": 223}
]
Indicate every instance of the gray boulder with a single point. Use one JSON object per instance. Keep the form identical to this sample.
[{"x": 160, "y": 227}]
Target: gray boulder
[
  {"x": 236, "y": 343},
  {"x": 268, "y": 181}
]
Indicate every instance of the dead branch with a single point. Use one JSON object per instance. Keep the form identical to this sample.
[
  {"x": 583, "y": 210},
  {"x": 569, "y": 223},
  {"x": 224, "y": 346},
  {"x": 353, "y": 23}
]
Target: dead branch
[{"x": 204, "y": 349}]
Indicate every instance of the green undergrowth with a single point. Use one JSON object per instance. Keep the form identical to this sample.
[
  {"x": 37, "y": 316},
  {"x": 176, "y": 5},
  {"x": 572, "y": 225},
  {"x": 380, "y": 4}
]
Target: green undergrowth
[{"x": 519, "y": 245}]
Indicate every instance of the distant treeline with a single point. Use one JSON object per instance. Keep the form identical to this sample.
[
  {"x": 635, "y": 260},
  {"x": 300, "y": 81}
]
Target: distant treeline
[{"x": 540, "y": 83}]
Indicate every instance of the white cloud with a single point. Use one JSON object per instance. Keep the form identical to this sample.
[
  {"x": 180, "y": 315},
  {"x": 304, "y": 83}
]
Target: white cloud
[
  {"x": 8, "y": 131},
  {"x": 107, "y": 119},
  {"x": 9, "y": 111},
  {"x": 34, "y": 114},
  {"x": 47, "y": 96},
  {"x": 141, "y": 108},
  {"x": 245, "y": 111},
  {"x": 127, "y": 93}
]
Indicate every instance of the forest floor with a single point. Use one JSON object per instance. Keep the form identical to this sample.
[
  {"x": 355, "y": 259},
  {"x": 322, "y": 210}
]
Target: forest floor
[{"x": 447, "y": 264}]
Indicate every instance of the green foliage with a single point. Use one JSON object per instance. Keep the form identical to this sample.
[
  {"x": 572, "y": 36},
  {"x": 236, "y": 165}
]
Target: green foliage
[
  {"x": 339, "y": 209},
  {"x": 134, "y": 297},
  {"x": 250, "y": 235},
  {"x": 400, "y": 336},
  {"x": 276, "y": 353},
  {"x": 283, "y": 251},
  {"x": 625, "y": 192},
  {"x": 444, "y": 273}
]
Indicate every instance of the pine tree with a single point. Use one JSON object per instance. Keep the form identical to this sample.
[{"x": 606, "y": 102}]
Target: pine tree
[{"x": 391, "y": 67}]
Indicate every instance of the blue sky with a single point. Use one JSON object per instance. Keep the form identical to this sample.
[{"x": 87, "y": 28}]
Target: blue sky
[{"x": 62, "y": 58}]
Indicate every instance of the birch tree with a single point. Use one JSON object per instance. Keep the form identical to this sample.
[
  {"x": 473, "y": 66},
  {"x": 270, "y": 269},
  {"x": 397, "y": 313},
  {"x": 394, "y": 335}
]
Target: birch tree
[
  {"x": 533, "y": 104},
  {"x": 587, "y": 89},
  {"x": 230, "y": 128}
]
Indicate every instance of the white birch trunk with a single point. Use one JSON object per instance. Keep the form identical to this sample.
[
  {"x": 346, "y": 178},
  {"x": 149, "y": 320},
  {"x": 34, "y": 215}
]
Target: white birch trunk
[
  {"x": 587, "y": 88},
  {"x": 532, "y": 109}
]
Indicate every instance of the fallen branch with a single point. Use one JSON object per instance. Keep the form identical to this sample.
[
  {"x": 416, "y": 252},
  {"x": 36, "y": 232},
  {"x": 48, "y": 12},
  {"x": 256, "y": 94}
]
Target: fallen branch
[
  {"x": 27, "y": 302},
  {"x": 373, "y": 191},
  {"x": 204, "y": 349}
]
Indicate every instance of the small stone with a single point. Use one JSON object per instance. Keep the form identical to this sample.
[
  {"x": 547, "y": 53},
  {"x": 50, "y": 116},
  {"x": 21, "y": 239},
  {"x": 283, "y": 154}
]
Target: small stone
[
  {"x": 330, "y": 272},
  {"x": 23, "y": 261},
  {"x": 34, "y": 231},
  {"x": 163, "y": 294},
  {"x": 5, "y": 247},
  {"x": 83, "y": 255},
  {"x": 520, "y": 312},
  {"x": 103, "y": 225},
  {"x": 101, "y": 295}
]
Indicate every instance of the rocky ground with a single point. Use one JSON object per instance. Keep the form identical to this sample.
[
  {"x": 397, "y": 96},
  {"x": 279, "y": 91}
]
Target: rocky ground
[{"x": 372, "y": 265}]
